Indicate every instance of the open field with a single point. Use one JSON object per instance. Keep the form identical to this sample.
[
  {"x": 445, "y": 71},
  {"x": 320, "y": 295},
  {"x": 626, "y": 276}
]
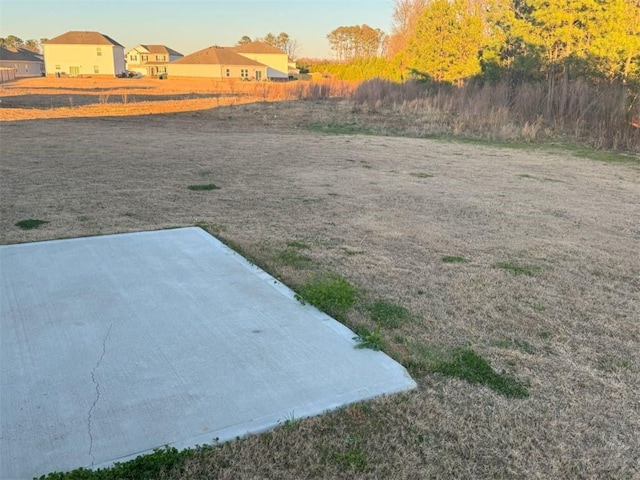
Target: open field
[
  {"x": 40, "y": 98},
  {"x": 541, "y": 275}
]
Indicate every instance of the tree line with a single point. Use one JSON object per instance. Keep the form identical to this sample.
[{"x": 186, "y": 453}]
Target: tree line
[
  {"x": 518, "y": 40},
  {"x": 14, "y": 42},
  {"x": 282, "y": 41}
]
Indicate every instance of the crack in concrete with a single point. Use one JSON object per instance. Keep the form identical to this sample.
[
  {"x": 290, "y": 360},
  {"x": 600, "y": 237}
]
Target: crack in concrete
[{"x": 95, "y": 401}]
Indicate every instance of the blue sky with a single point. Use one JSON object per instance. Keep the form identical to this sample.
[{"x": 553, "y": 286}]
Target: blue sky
[{"x": 190, "y": 25}]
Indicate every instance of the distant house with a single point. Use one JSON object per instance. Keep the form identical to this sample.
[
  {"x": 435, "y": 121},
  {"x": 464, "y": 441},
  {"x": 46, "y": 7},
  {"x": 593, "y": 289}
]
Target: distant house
[
  {"x": 150, "y": 59},
  {"x": 83, "y": 53},
  {"x": 272, "y": 57},
  {"x": 24, "y": 63},
  {"x": 218, "y": 63}
]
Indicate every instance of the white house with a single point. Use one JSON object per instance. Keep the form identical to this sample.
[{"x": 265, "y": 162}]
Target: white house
[
  {"x": 221, "y": 63},
  {"x": 24, "y": 63},
  {"x": 272, "y": 57},
  {"x": 150, "y": 59},
  {"x": 83, "y": 54}
]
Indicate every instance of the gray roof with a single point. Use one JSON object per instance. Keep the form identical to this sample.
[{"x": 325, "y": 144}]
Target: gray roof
[{"x": 19, "y": 55}]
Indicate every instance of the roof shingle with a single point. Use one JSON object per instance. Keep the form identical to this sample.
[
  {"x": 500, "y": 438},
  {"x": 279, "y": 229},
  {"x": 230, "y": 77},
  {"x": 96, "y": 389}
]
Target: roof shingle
[
  {"x": 217, "y": 56},
  {"x": 257, "y": 47},
  {"x": 82, "y": 38},
  {"x": 18, "y": 55}
]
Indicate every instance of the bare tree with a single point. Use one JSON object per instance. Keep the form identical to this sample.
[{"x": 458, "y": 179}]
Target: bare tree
[{"x": 405, "y": 16}]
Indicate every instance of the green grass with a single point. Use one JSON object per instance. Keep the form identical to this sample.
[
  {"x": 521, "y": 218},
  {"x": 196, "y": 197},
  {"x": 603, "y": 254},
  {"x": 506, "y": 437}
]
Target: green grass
[
  {"x": 293, "y": 258},
  {"x": 206, "y": 186},
  {"x": 421, "y": 175},
  {"x": 298, "y": 245},
  {"x": 333, "y": 295},
  {"x": 352, "y": 457},
  {"x": 526, "y": 175},
  {"x": 389, "y": 315},
  {"x": 144, "y": 467},
  {"x": 453, "y": 259},
  {"x": 339, "y": 128},
  {"x": 30, "y": 223},
  {"x": 370, "y": 339},
  {"x": 516, "y": 269},
  {"x": 468, "y": 365}
]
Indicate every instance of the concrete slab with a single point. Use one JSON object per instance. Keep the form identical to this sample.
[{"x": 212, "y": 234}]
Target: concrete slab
[{"x": 111, "y": 346}]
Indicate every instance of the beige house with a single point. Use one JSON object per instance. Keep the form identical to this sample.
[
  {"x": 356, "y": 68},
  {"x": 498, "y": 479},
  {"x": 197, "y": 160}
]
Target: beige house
[
  {"x": 272, "y": 57},
  {"x": 219, "y": 63},
  {"x": 24, "y": 63},
  {"x": 150, "y": 60},
  {"x": 83, "y": 54}
]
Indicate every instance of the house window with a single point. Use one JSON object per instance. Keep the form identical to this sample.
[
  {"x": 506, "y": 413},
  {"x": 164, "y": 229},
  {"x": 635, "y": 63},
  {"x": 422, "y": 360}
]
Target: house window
[
  {"x": 57, "y": 67},
  {"x": 228, "y": 72},
  {"x": 99, "y": 51},
  {"x": 161, "y": 58},
  {"x": 133, "y": 57},
  {"x": 144, "y": 58},
  {"x": 96, "y": 69},
  {"x": 258, "y": 75},
  {"x": 244, "y": 73}
]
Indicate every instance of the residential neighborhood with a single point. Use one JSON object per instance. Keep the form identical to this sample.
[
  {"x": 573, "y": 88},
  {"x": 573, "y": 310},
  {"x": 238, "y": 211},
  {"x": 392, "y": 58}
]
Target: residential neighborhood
[
  {"x": 91, "y": 54},
  {"x": 150, "y": 60},
  {"x": 19, "y": 63},
  {"x": 77, "y": 54}
]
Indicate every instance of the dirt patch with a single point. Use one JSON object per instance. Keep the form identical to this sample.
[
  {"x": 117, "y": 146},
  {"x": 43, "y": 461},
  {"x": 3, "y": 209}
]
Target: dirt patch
[{"x": 569, "y": 330}]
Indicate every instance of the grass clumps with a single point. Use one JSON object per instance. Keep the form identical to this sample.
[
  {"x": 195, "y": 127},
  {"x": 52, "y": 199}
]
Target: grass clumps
[
  {"x": 468, "y": 365},
  {"x": 333, "y": 295},
  {"x": 145, "y": 467},
  {"x": 293, "y": 258},
  {"x": 30, "y": 223},
  {"x": 389, "y": 315},
  {"x": 421, "y": 175},
  {"x": 352, "y": 457},
  {"x": 204, "y": 187},
  {"x": 370, "y": 339},
  {"x": 529, "y": 270},
  {"x": 454, "y": 259}
]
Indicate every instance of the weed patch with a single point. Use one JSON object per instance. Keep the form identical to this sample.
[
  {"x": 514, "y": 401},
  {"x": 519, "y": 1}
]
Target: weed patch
[
  {"x": 468, "y": 365},
  {"x": 339, "y": 128},
  {"x": 421, "y": 175},
  {"x": 204, "y": 187},
  {"x": 389, "y": 315},
  {"x": 298, "y": 245},
  {"x": 30, "y": 223},
  {"x": 516, "y": 269},
  {"x": 352, "y": 457},
  {"x": 293, "y": 258},
  {"x": 370, "y": 339},
  {"x": 145, "y": 467},
  {"x": 452, "y": 259},
  {"x": 335, "y": 296}
]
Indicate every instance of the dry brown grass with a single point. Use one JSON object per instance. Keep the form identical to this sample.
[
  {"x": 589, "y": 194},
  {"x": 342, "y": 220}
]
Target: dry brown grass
[
  {"x": 46, "y": 98},
  {"x": 355, "y": 202}
]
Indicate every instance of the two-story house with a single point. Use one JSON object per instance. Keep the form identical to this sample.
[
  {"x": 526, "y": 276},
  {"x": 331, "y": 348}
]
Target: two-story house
[
  {"x": 275, "y": 59},
  {"x": 78, "y": 53},
  {"x": 150, "y": 59}
]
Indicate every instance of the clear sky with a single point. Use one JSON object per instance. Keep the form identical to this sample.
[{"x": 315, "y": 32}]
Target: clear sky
[{"x": 191, "y": 25}]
